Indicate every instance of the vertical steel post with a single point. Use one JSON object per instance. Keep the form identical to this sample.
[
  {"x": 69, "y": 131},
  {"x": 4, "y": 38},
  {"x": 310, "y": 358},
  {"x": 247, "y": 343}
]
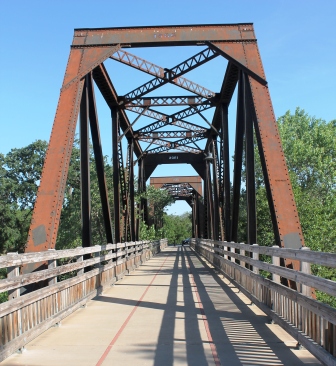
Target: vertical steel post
[
  {"x": 205, "y": 203},
  {"x": 209, "y": 203},
  {"x": 99, "y": 159},
  {"x": 238, "y": 160},
  {"x": 85, "y": 168},
  {"x": 131, "y": 202},
  {"x": 115, "y": 160},
  {"x": 142, "y": 189},
  {"x": 215, "y": 198},
  {"x": 225, "y": 155},
  {"x": 249, "y": 160}
]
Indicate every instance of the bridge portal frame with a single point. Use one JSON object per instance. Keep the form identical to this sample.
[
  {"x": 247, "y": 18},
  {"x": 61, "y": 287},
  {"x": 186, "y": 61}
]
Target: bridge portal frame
[{"x": 238, "y": 44}]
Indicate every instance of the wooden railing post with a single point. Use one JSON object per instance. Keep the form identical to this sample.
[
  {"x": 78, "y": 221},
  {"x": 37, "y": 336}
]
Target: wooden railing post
[
  {"x": 276, "y": 262},
  {"x": 276, "y": 279},
  {"x": 80, "y": 259},
  {"x": 13, "y": 272},
  {"x": 233, "y": 250},
  {"x": 233, "y": 259},
  {"x": 225, "y": 248},
  {"x": 13, "y": 294},
  {"x": 255, "y": 269},
  {"x": 52, "y": 263},
  {"x": 242, "y": 252},
  {"x": 242, "y": 264},
  {"x": 305, "y": 268},
  {"x": 97, "y": 254},
  {"x": 255, "y": 256}
]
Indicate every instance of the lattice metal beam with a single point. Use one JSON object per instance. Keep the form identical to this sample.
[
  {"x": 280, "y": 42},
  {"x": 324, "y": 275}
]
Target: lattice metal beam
[
  {"x": 168, "y": 101},
  {"x": 181, "y": 144},
  {"x": 169, "y": 135},
  {"x": 155, "y": 70},
  {"x": 173, "y": 73}
]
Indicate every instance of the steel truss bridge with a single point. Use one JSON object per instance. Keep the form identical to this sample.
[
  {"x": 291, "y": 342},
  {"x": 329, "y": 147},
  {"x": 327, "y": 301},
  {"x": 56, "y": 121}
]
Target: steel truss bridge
[{"x": 196, "y": 133}]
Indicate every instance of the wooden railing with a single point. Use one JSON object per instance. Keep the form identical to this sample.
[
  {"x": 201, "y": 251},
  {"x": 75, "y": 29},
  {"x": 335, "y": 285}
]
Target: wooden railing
[
  {"x": 310, "y": 322},
  {"x": 70, "y": 278}
]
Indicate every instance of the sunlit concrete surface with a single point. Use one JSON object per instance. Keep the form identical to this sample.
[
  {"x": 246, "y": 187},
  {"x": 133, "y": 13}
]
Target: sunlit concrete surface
[{"x": 173, "y": 310}]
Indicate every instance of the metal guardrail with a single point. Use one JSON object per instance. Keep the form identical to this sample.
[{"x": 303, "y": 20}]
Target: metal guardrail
[
  {"x": 310, "y": 322},
  {"x": 86, "y": 272}
]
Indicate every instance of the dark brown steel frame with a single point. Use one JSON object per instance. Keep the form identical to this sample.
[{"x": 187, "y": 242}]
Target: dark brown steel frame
[{"x": 237, "y": 43}]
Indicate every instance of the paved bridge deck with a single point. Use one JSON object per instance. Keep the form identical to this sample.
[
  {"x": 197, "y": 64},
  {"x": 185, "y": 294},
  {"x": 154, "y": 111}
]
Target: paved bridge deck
[{"x": 173, "y": 310}]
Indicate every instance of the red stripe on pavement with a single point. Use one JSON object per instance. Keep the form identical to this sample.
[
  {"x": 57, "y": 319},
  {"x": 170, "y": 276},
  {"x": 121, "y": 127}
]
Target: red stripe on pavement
[
  {"x": 205, "y": 320},
  {"x": 109, "y": 347}
]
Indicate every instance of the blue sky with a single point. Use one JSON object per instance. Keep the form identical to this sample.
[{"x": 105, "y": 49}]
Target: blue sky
[{"x": 296, "y": 39}]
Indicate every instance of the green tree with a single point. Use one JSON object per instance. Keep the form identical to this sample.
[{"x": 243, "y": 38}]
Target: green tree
[
  {"x": 20, "y": 174},
  {"x": 177, "y": 227},
  {"x": 309, "y": 148},
  {"x": 69, "y": 233},
  {"x": 158, "y": 199}
]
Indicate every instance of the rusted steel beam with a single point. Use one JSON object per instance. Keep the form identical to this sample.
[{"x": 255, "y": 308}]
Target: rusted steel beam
[
  {"x": 225, "y": 185},
  {"x": 107, "y": 90},
  {"x": 85, "y": 166},
  {"x": 275, "y": 167},
  {"x": 240, "y": 66},
  {"x": 130, "y": 189},
  {"x": 99, "y": 159},
  {"x": 142, "y": 178},
  {"x": 157, "y": 36},
  {"x": 226, "y": 93},
  {"x": 45, "y": 220},
  {"x": 217, "y": 224},
  {"x": 249, "y": 165},
  {"x": 122, "y": 188},
  {"x": 238, "y": 161},
  {"x": 116, "y": 174}
]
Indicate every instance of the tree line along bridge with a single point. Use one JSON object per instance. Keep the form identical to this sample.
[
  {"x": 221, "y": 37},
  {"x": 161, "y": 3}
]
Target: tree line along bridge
[{"x": 195, "y": 316}]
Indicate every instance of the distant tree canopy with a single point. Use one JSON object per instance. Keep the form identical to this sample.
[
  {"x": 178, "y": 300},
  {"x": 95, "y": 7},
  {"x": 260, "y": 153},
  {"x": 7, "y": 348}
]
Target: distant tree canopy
[{"x": 177, "y": 227}]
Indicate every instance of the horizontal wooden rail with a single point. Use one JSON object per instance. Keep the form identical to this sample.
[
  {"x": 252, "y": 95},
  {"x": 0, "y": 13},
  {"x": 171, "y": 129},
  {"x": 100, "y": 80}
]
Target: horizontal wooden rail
[
  {"x": 310, "y": 256},
  {"x": 24, "y": 317},
  {"x": 15, "y": 259},
  {"x": 310, "y": 322},
  {"x": 319, "y": 283}
]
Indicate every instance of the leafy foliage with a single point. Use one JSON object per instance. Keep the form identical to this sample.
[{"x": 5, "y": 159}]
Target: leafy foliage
[
  {"x": 158, "y": 199},
  {"x": 310, "y": 150},
  {"x": 176, "y": 228},
  {"x": 20, "y": 173},
  {"x": 69, "y": 233}
]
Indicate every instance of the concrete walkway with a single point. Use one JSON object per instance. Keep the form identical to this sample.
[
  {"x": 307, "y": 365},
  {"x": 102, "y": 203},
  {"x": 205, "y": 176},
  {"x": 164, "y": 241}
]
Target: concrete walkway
[{"x": 173, "y": 310}]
